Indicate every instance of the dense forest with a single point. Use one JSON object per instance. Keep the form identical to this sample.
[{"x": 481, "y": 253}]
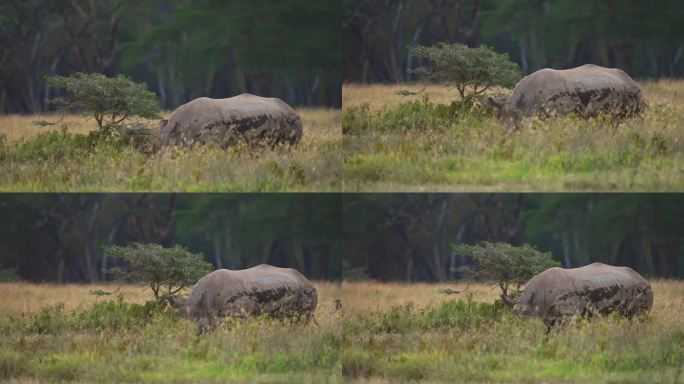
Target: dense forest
[
  {"x": 644, "y": 38},
  {"x": 60, "y": 237},
  {"x": 182, "y": 49},
  {"x": 409, "y": 236}
]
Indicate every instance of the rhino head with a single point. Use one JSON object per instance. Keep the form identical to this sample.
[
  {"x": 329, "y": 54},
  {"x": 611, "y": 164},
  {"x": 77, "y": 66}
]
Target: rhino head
[
  {"x": 524, "y": 306},
  {"x": 505, "y": 112}
]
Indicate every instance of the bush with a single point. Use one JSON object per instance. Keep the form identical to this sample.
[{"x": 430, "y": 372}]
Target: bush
[
  {"x": 117, "y": 314},
  {"x": 111, "y": 314},
  {"x": 471, "y": 70},
  {"x": 418, "y": 115},
  {"x": 59, "y": 145},
  {"x": 110, "y": 100},
  {"x": 165, "y": 270},
  {"x": 508, "y": 265},
  {"x": 463, "y": 314}
]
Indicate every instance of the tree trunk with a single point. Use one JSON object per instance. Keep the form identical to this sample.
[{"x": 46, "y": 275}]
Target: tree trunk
[
  {"x": 647, "y": 255},
  {"x": 298, "y": 253},
  {"x": 218, "y": 259},
  {"x": 162, "y": 88}
]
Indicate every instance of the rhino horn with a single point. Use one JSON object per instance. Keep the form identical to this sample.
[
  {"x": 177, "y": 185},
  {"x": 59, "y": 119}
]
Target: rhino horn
[{"x": 506, "y": 299}]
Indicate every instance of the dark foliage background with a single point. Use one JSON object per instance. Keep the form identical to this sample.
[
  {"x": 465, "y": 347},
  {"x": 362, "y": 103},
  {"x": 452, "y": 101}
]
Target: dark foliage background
[
  {"x": 60, "y": 237},
  {"x": 408, "y": 236},
  {"x": 403, "y": 236},
  {"x": 644, "y": 38},
  {"x": 182, "y": 49}
]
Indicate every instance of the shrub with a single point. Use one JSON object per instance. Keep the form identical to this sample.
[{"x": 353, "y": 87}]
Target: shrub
[
  {"x": 417, "y": 115},
  {"x": 110, "y": 100},
  {"x": 471, "y": 70},
  {"x": 165, "y": 270},
  {"x": 111, "y": 314},
  {"x": 510, "y": 266},
  {"x": 59, "y": 145},
  {"x": 117, "y": 314}
]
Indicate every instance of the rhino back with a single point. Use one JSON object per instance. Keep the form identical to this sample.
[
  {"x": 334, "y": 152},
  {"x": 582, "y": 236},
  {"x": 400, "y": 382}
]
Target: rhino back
[
  {"x": 586, "y": 91},
  {"x": 259, "y": 290},
  {"x": 227, "y": 121},
  {"x": 595, "y": 288}
]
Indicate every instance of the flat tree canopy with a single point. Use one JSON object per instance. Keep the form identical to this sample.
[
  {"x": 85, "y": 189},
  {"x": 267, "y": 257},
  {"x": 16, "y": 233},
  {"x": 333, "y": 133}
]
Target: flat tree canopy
[
  {"x": 110, "y": 100},
  {"x": 165, "y": 270},
  {"x": 510, "y": 266},
  {"x": 471, "y": 70}
]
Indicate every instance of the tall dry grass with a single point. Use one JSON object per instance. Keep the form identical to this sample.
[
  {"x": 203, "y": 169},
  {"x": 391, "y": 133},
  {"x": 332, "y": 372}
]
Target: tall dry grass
[
  {"x": 63, "y": 333},
  {"x": 32, "y": 160},
  {"x": 403, "y": 143},
  {"x": 412, "y": 333},
  {"x": 23, "y": 298}
]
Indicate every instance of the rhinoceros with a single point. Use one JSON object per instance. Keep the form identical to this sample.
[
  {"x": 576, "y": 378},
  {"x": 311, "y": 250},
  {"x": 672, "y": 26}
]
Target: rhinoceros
[
  {"x": 586, "y": 91},
  {"x": 596, "y": 289},
  {"x": 261, "y": 290},
  {"x": 245, "y": 118}
]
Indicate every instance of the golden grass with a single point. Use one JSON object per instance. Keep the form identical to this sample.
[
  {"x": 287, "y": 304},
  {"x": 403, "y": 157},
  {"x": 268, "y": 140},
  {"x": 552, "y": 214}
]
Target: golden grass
[
  {"x": 383, "y": 96},
  {"x": 359, "y": 297},
  {"x": 364, "y": 296},
  {"x": 23, "y": 299},
  {"x": 318, "y": 123},
  {"x": 314, "y": 165}
]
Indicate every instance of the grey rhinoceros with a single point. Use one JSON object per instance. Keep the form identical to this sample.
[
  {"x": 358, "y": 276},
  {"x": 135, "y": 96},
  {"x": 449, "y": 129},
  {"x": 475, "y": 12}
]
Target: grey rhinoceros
[
  {"x": 245, "y": 118},
  {"x": 557, "y": 293},
  {"x": 260, "y": 290},
  {"x": 586, "y": 91}
]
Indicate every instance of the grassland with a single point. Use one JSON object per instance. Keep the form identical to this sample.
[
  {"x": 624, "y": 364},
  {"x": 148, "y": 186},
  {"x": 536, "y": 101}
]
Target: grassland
[
  {"x": 62, "y": 158},
  {"x": 62, "y": 333},
  {"x": 385, "y": 333},
  {"x": 419, "y": 143},
  {"x": 412, "y": 333}
]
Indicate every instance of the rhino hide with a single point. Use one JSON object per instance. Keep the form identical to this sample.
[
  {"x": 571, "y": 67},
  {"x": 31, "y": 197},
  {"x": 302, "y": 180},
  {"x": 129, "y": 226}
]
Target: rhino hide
[
  {"x": 249, "y": 119},
  {"x": 595, "y": 289},
  {"x": 261, "y": 290}
]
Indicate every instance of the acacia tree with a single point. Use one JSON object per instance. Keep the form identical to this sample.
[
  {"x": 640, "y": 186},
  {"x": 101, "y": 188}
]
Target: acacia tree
[
  {"x": 471, "y": 70},
  {"x": 508, "y": 265},
  {"x": 110, "y": 100},
  {"x": 166, "y": 270}
]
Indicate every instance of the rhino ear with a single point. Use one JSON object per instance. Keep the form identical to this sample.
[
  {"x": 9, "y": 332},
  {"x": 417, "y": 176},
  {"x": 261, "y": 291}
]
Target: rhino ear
[{"x": 162, "y": 124}]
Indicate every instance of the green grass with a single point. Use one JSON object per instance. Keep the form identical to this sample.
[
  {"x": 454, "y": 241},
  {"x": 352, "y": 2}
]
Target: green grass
[
  {"x": 113, "y": 341},
  {"x": 467, "y": 341},
  {"x": 426, "y": 145},
  {"x": 78, "y": 160}
]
